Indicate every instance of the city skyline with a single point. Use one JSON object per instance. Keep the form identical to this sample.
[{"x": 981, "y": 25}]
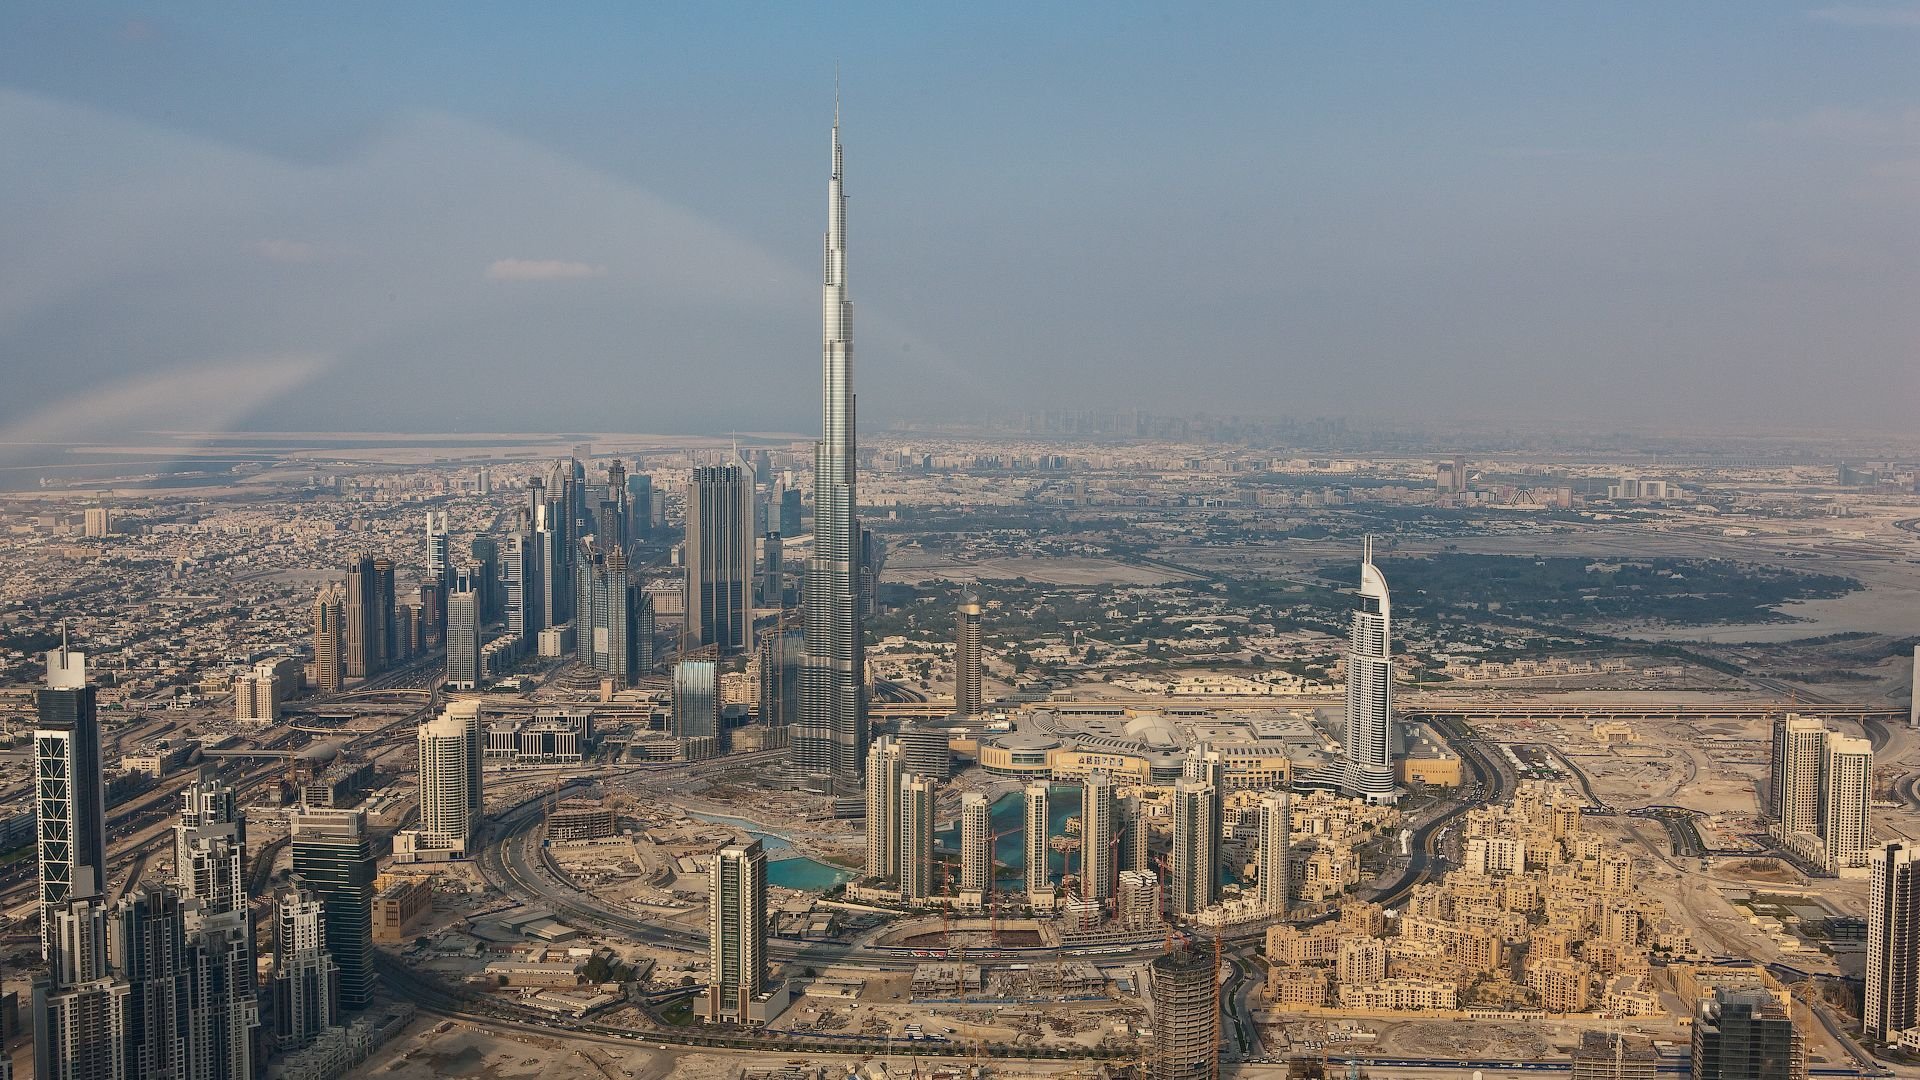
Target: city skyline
[{"x": 1049, "y": 727}]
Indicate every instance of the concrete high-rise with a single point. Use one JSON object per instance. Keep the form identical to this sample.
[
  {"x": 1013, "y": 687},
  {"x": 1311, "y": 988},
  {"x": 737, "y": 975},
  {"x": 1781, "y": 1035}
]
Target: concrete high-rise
[
  {"x": 81, "y": 1008},
  {"x": 1799, "y": 745},
  {"x": 1820, "y": 790},
  {"x": 210, "y": 858},
  {"x": 782, "y": 652},
  {"x": 333, "y": 856},
  {"x": 1194, "y": 877},
  {"x": 1746, "y": 1035},
  {"x": 1369, "y": 757},
  {"x": 976, "y": 844},
  {"x": 449, "y": 770},
  {"x": 966, "y": 659},
  {"x": 463, "y": 631},
  {"x": 1186, "y": 1017},
  {"x": 148, "y": 947},
  {"x": 772, "y": 571},
  {"x": 368, "y": 639},
  {"x": 696, "y": 699},
  {"x": 736, "y": 933},
  {"x": 306, "y": 981},
  {"x": 520, "y": 577},
  {"x": 1097, "y": 837},
  {"x": 916, "y": 838},
  {"x": 1205, "y": 765},
  {"x": 1276, "y": 839},
  {"x": 926, "y": 748},
  {"x": 1846, "y": 794},
  {"x": 1892, "y": 1001},
  {"x": 1037, "y": 849},
  {"x": 605, "y": 618},
  {"x": 885, "y": 769},
  {"x": 719, "y": 557},
  {"x": 329, "y": 638},
  {"x": 484, "y": 556},
  {"x": 439, "y": 549},
  {"x": 829, "y": 746},
  {"x": 1136, "y": 852},
  {"x": 69, "y": 798}
]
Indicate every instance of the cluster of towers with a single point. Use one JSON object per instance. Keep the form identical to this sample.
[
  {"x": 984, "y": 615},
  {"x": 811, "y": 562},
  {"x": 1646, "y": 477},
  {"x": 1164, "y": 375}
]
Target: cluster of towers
[
  {"x": 1115, "y": 875},
  {"x": 159, "y": 981}
]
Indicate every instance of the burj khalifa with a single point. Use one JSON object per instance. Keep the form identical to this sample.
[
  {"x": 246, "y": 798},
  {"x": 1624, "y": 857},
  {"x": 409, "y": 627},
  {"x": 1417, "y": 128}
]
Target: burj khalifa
[{"x": 828, "y": 747}]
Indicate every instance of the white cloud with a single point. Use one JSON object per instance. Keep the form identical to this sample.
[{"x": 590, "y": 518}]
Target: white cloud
[
  {"x": 286, "y": 251},
  {"x": 542, "y": 270},
  {"x": 1907, "y": 17}
]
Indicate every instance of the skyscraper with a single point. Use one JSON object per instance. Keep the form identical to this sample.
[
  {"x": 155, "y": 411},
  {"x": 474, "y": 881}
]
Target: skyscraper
[
  {"x": 306, "y": 981},
  {"x": 329, "y": 641},
  {"x": 520, "y": 578},
  {"x": 829, "y": 748},
  {"x": 1097, "y": 836},
  {"x": 639, "y": 504},
  {"x": 604, "y": 615},
  {"x": 1037, "y": 850},
  {"x": 1846, "y": 793},
  {"x": 696, "y": 699},
  {"x": 333, "y": 857},
  {"x": 1276, "y": 840},
  {"x": 782, "y": 655},
  {"x": 1369, "y": 759},
  {"x": 1892, "y": 1003},
  {"x": 69, "y": 802},
  {"x": 1194, "y": 874},
  {"x": 448, "y": 769},
  {"x": 210, "y": 857},
  {"x": 736, "y": 933},
  {"x": 484, "y": 554},
  {"x": 719, "y": 557},
  {"x": 439, "y": 553},
  {"x": 976, "y": 842},
  {"x": 772, "y": 572},
  {"x": 80, "y": 1009},
  {"x": 884, "y": 773},
  {"x": 368, "y": 638},
  {"x": 1205, "y": 765},
  {"x": 1186, "y": 1017},
  {"x": 1799, "y": 744},
  {"x": 148, "y": 947},
  {"x": 1135, "y": 851},
  {"x": 1819, "y": 792},
  {"x": 1746, "y": 1035},
  {"x": 463, "y": 631},
  {"x": 383, "y": 633},
  {"x": 966, "y": 659},
  {"x": 916, "y": 838}
]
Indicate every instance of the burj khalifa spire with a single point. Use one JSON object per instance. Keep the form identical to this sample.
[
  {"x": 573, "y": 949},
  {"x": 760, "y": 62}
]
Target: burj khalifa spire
[{"x": 829, "y": 745}]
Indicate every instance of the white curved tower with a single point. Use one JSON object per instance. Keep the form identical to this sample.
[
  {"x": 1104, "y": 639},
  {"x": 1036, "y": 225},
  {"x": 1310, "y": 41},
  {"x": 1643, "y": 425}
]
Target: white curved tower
[{"x": 1369, "y": 761}]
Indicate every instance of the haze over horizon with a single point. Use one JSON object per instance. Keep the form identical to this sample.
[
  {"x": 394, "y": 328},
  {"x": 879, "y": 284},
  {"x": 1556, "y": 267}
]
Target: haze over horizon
[{"x": 475, "y": 217}]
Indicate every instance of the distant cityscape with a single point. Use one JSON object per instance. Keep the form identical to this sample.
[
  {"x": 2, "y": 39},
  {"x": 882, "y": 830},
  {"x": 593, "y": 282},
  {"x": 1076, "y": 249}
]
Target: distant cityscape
[{"x": 1077, "y": 743}]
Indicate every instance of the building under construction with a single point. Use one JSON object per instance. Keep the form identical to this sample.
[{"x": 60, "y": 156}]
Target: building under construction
[
  {"x": 580, "y": 819},
  {"x": 1604, "y": 1056},
  {"x": 1186, "y": 1016}
]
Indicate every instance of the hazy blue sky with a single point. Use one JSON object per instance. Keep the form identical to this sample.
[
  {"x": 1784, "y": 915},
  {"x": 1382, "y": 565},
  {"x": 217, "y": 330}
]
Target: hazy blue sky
[{"x": 577, "y": 216}]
